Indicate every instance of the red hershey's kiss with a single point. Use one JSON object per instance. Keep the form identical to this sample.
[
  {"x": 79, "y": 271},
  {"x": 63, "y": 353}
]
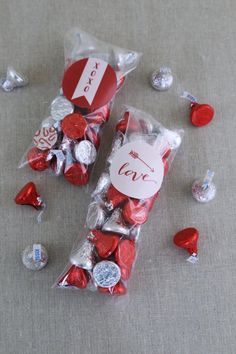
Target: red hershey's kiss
[
  {"x": 37, "y": 159},
  {"x": 187, "y": 239},
  {"x": 125, "y": 256},
  {"x": 89, "y": 83},
  {"x": 201, "y": 114},
  {"x": 135, "y": 212},
  {"x": 104, "y": 243},
  {"x": 118, "y": 289},
  {"x": 28, "y": 196},
  {"x": 77, "y": 174},
  {"x": 76, "y": 277},
  {"x": 127, "y": 121},
  {"x": 74, "y": 126},
  {"x": 115, "y": 198}
]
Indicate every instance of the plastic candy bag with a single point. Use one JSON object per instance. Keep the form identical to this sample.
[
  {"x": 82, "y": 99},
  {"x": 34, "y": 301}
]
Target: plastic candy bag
[
  {"x": 142, "y": 152},
  {"x": 68, "y": 139}
]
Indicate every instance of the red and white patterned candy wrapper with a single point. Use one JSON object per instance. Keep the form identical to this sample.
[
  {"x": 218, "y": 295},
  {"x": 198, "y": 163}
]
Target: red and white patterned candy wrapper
[
  {"x": 68, "y": 139},
  {"x": 103, "y": 257}
]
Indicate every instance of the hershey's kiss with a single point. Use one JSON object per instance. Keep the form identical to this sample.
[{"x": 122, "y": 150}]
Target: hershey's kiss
[
  {"x": 106, "y": 274},
  {"x": 162, "y": 79},
  {"x": 58, "y": 165},
  {"x": 12, "y": 80},
  {"x": 85, "y": 152},
  {"x": 61, "y": 107},
  {"x": 204, "y": 190},
  {"x": 83, "y": 256},
  {"x": 35, "y": 257},
  {"x": 115, "y": 224},
  {"x": 125, "y": 61},
  {"x": 96, "y": 216},
  {"x": 102, "y": 186},
  {"x": 66, "y": 144}
]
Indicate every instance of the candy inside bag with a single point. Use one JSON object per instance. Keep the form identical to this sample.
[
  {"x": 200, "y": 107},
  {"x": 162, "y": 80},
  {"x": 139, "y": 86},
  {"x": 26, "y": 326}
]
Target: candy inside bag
[
  {"x": 68, "y": 139},
  {"x": 141, "y": 155}
]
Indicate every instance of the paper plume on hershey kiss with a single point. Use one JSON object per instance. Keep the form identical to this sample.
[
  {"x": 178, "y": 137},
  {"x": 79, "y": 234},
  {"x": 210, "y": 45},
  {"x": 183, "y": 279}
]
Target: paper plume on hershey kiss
[{"x": 12, "y": 80}]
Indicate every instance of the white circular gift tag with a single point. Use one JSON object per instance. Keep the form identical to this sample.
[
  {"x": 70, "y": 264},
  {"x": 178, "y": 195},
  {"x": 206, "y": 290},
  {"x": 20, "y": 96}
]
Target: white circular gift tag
[{"x": 137, "y": 170}]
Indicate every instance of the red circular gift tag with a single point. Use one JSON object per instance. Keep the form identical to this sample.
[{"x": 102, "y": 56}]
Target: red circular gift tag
[
  {"x": 89, "y": 83},
  {"x": 201, "y": 114}
]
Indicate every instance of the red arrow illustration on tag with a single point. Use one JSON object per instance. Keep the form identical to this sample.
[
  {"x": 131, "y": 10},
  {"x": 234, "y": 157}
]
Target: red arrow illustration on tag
[{"x": 135, "y": 155}]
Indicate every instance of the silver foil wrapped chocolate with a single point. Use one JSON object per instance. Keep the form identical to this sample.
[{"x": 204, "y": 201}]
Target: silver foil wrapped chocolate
[
  {"x": 204, "y": 190},
  {"x": 96, "y": 216},
  {"x": 115, "y": 224},
  {"x": 61, "y": 107},
  {"x": 83, "y": 257},
  {"x": 59, "y": 164},
  {"x": 35, "y": 257},
  {"x": 12, "y": 80},
  {"x": 102, "y": 185},
  {"x": 106, "y": 274},
  {"x": 162, "y": 79},
  {"x": 85, "y": 152}
]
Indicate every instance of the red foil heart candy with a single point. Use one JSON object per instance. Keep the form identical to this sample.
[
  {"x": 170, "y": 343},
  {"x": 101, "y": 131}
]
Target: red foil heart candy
[
  {"x": 28, "y": 195},
  {"x": 37, "y": 159},
  {"x": 188, "y": 239},
  {"x": 76, "y": 277},
  {"x": 125, "y": 256},
  {"x": 105, "y": 243},
  {"x": 135, "y": 212},
  {"x": 118, "y": 289},
  {"x": 77, "y": 174},
  {"x": 114, "y": 198}
]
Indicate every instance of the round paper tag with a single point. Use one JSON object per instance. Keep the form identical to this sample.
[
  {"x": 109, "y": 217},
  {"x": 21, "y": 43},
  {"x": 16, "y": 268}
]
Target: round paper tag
[
  {"x": 45, "y": 138},
  {"x": 89, "y": 83},
  {"x": 137, "y": 170}
]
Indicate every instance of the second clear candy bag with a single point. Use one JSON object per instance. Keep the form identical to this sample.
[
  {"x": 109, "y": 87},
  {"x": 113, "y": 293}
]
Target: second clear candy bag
[{"x": 102, "y": 258}]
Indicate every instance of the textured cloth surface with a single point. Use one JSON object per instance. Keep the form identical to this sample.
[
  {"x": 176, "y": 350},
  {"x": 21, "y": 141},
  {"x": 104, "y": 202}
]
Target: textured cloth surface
[{"x": 172, "y": 307}]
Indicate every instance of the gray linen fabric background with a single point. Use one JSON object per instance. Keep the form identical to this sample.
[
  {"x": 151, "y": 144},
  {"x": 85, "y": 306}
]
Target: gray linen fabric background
[{"x": 172, "y": 307}]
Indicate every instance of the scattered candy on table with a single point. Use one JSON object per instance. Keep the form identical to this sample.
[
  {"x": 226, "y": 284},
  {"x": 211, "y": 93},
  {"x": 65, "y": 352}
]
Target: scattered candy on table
[
  {"x": 28, "y": 195},
  {"x": 162, "y": 80},
  {"x": 200, "y": 114},
  {"x": 204, "y": 190},
  {"x": 35, "y": 257},
  {"x": 188, "y": 239},
  {"x": 12, "y": 80}
]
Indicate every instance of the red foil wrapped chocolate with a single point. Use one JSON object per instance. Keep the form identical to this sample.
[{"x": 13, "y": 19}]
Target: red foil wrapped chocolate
[
  {"x": 37, "y": 159},
  {"x": 201, "y": 114},
  {"x": 28, "y": 195}
]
